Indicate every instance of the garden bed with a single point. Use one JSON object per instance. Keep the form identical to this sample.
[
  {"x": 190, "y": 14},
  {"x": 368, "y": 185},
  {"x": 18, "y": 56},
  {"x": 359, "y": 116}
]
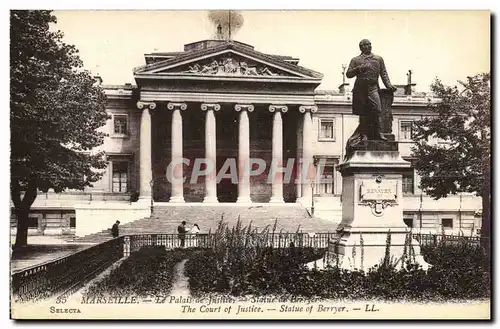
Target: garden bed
[
  {"x": 242, "y": 262},
  {"x": 458, "y": 273},
  {"x": 147, "y": 272}
]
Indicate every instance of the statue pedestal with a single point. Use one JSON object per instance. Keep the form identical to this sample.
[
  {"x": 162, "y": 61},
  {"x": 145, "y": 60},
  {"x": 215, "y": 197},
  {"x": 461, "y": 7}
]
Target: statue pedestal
[{"x": 372, "y": 207}]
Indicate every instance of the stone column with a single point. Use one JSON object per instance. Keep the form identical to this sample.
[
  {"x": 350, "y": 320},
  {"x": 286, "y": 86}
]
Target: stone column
[
  {"x": 146, "y": 174},
  {"x": 177, "y": 172},
  {"x": 244, "y": 153},
  {"x": 307, "y": 152},
  {"x": 277, "y": 154},
  {"x": 298, "y": 164},
  {"x": 210, "y": 152}
]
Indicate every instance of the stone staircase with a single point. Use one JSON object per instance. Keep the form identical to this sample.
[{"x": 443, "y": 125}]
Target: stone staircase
[{"x": 166, "y": 218}]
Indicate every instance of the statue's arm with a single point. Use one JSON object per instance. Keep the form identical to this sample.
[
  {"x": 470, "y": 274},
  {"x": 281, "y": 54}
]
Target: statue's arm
[
  {"x": 354, "y": 69},
  {"x": 384, "y": 75}
]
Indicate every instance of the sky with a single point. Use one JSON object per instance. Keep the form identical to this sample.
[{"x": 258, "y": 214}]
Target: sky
[{"x": 450, "y": 45}]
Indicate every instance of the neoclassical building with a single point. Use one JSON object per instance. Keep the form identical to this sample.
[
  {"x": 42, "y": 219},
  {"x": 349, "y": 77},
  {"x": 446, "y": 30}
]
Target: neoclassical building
[{"x": 221, "y": 106}]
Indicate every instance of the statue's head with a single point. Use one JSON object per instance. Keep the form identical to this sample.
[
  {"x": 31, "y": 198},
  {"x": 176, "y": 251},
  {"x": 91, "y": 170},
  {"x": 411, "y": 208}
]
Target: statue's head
[{"x": 365, "y": 46}]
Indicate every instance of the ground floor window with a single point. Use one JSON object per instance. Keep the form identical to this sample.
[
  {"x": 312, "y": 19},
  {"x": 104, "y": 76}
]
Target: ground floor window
[
  {"x": 409, "y": 178},
  {"x": 325, "y": 183},
  {"x": 408, "y": 182},
  {"x": 72, "y": 222},
  {"x": 447, "y": 222},
  {"x": 120, "y": 177},
  {"x": 33, "y": 222},
  {"x": 408, "y": 221}
]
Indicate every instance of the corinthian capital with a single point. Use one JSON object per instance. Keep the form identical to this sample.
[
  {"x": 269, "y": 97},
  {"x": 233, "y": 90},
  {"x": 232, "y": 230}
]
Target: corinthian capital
[
  {"x": 207, "y": 106},
  {"x": 282, "y": 108},
  {"x": 308, "y": 108},
  {"x": 146, "y": 105},
  {"x": 177, "y": 106}
]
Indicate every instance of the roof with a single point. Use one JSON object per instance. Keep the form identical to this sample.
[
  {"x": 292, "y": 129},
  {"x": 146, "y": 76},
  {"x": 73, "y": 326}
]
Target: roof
[{"x": 285, "y": 62}]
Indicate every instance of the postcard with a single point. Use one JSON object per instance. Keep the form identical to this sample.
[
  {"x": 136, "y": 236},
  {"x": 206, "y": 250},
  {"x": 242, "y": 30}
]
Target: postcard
[{"x": 229, "y": 164}]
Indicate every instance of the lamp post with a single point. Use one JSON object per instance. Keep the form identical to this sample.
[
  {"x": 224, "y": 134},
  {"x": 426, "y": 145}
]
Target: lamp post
[
  {"x": 312, "y": 198},
  {"x": 313, "y": 182},
  {"x": 151, "y": 184}
]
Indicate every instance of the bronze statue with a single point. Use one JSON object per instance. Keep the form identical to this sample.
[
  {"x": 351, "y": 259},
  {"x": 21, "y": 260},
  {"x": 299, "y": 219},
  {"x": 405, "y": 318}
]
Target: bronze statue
[{"x": 367, "y": 67}]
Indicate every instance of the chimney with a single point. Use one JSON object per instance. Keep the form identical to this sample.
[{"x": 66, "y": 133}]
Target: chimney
[
  {"x": 410, "y": 87},
  {"x": 344, "y": 88}
]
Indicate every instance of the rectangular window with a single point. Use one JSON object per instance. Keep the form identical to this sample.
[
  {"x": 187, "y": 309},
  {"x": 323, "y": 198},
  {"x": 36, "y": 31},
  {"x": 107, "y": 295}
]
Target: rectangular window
[
  {"x": 326, "y": 129},
  {"x": 72, "y": 222},
  {"x": 408, "y": 221},
  {"x": 120, "y": 123},
  {"x": 408, "y": 182},
  {"x": 326, "y": 186},
  {"x": 326, "y": 176},
  {"x": 33, "y": 222},
  {"x": 406, "y": 130},
  {"x": 447, "y": 222},
  {"x": 120, "y": 177}
]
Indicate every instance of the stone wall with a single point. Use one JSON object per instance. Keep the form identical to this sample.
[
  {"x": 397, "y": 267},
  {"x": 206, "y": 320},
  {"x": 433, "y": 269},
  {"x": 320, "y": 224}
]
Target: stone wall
[{"x": 48, "y": 222}]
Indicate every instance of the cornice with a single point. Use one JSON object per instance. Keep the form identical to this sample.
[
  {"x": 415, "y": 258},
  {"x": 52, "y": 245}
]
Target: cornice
[{"x": 229, "y": 47}]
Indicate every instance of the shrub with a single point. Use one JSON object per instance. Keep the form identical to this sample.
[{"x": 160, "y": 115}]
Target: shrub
[
  {"x": 269, "y": 273},
  {"x": 459, "y": 271}
]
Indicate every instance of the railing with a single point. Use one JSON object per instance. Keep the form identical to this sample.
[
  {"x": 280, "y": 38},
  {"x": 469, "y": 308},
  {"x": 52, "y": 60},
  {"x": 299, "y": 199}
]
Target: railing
[
  {"x": 276, "y": 240},
  {"x": 435, "y": 239},
  {"x": 65, "y": 275}
]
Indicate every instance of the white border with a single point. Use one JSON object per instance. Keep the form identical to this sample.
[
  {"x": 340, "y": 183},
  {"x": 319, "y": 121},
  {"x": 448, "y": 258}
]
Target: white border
[{"x": 105, "y": 4}]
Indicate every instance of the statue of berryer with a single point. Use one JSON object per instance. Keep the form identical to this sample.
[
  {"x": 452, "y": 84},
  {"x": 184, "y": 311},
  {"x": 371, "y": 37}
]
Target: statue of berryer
[{"x": 375, "y": 118}]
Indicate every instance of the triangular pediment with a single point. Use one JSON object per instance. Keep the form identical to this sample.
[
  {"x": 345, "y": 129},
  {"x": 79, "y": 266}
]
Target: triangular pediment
[{"x": 228, "y": 61}]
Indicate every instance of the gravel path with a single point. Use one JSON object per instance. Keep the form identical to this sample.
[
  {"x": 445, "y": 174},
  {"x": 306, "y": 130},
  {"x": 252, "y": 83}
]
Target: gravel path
[{"x": 180, "y": 284}]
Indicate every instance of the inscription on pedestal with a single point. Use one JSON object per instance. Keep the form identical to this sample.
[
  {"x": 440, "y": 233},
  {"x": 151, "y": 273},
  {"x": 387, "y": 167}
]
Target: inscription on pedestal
[
  {"x": 378, "y": 195},
  {"x": 378, "y": 191}
]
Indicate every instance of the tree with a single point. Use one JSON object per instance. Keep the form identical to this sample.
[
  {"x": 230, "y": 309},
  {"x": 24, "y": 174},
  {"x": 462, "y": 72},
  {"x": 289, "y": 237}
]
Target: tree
[
  {"x": 463, "y": 163},
  {"x": 55, "y": 110}
]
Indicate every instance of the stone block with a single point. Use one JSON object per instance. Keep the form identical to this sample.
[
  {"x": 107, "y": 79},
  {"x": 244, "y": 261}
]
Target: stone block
[{"x": 372, "y": 207}]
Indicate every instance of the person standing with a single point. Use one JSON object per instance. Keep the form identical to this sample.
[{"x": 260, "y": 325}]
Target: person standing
[
  {"x": 194, "y": 235},
  {"x": 182, "y": 230},
  {"x": 195, "y": 229}
]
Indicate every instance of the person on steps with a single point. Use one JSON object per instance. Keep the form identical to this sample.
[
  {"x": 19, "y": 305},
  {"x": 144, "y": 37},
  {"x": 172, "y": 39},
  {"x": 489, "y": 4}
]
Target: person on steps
[{"x": 114, "y": 230}]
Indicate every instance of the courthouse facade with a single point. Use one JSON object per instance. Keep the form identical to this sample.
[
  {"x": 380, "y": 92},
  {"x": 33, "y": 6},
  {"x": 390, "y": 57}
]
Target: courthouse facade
[{"x": 219, "y": 105}]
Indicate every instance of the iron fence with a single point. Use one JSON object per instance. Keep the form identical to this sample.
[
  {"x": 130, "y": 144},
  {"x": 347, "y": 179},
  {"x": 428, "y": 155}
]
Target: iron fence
[
  {"x": 435, "y": 239},
  {"x": 276, "y": 240},
  {"x": 64, "y": 275}
]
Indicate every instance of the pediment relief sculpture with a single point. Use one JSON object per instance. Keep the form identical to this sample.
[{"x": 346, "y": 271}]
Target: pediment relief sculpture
[{"x": 230, "y": 66}]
